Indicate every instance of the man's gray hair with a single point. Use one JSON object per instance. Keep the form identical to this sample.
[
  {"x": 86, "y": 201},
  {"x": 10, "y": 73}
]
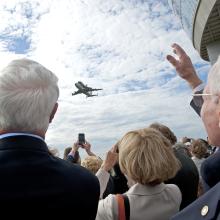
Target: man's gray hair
[{"x": 28, "y": 93}]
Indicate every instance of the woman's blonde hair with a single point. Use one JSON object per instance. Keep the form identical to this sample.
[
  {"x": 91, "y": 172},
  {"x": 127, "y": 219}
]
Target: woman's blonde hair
[
  {"x": 92, "y": 163},
  {"x": 146, "y": 157}
]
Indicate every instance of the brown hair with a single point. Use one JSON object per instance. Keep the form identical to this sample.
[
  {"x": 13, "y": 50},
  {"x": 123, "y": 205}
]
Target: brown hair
[
  {"x": 166, "y": 132},
  {"x": 199, "y": 149}
]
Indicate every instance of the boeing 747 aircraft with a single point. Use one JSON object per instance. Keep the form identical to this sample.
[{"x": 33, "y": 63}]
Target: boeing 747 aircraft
[{"x": 84, "y": 89}]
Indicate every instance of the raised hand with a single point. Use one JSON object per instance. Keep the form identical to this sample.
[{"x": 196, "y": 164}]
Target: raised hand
[
  {"x": 111, "y": 159},
  {"x": 184, "y": 66},
  {"x": 87, "y": 147}
]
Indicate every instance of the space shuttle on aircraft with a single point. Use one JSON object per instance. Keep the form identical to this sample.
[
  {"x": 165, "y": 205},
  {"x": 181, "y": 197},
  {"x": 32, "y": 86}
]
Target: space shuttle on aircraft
[{"x": 84, "y": 89}]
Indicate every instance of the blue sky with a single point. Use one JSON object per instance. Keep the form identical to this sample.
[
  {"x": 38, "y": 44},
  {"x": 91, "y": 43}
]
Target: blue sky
[{"x": 117, "y": 45}]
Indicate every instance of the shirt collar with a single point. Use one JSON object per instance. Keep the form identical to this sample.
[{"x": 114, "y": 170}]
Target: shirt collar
[{"x": 20, "y": 134}]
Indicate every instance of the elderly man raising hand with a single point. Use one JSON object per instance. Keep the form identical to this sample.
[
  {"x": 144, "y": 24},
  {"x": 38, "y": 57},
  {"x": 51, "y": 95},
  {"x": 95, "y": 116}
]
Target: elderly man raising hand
[{"x": 206, "y": 103}]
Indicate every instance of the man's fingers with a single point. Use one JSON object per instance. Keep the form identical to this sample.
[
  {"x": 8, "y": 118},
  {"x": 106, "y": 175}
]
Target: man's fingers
[
  {"x": 178, "y": 50},
  {"x": 172, "y": 60}
]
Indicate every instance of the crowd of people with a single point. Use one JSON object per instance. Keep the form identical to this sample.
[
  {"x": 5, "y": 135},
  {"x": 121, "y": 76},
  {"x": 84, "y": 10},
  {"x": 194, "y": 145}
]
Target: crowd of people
[{"x": 147, "y": 174}]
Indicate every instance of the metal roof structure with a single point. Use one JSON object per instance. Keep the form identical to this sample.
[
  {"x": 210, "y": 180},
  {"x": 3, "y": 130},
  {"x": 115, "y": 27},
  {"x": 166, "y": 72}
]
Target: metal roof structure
[{"x": 201, "y": 20}]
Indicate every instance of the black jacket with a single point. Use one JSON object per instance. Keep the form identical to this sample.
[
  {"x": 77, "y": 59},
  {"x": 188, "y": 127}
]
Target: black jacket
[
  {"x": 34, "y": 181},
  {"x": 210, "y": 171},
  {"x": 187, "y": 179}
]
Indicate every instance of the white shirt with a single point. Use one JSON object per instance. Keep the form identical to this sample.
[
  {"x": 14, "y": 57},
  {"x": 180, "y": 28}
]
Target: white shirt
[
  {"x": 199, "y": 87},
  {"x": 19, "y": 134}
]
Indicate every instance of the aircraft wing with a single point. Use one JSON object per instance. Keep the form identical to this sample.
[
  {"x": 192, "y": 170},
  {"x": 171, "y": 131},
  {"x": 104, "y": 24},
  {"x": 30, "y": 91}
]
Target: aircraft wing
[
  {"x": 90, "y": 95},
  {"x": 87, "y": 93},
  {"x": 77, "y": 92}
]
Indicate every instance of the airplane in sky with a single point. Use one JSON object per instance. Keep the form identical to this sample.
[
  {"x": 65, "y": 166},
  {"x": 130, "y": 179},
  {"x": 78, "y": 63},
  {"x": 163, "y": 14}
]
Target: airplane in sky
[{"x": 82, "y": 88}]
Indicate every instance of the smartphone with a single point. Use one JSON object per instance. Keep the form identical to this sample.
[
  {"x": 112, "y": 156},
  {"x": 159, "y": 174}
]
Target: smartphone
[{"x": 81, "y": 138}]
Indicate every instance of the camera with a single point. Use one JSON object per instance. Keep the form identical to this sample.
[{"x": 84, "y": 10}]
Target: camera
[{"x": 81, "y": 138}]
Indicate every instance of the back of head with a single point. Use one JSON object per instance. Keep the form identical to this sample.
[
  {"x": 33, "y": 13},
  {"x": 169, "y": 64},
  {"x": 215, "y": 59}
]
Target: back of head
[
  {"x": 28, "y": 94},
  {"x": 146, "y": 157},
  {"x": 199, "y": 149},
  {"x": 92, "y": 163},
  {"x": 185, "y": 140},
  {"x": 165, "y": 131},
  {"x": 181, "y": 147}
]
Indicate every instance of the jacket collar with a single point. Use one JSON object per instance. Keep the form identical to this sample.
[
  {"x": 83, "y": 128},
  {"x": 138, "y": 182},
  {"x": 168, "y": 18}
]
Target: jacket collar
[
  {"x": 19, "y": 134},
  {"x": 23, "y": 142},
  {"x": 139, "y": 189}
]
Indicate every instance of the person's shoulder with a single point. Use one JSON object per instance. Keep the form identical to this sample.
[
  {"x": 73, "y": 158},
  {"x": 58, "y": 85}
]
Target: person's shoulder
[
  {"x": 73, "y": 171},
  {"x": 214, "y": 159},
  {"x": 172, "y": 187},
  {"x": 204, "y": 208},
  {"x": 174, "y": 191},
  {"x": 187, "y": 163},
  {"x": 183, "y": 157}
]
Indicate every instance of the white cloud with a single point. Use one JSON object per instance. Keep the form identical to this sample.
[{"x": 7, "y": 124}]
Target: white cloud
[{"x": 119, "y": 46}]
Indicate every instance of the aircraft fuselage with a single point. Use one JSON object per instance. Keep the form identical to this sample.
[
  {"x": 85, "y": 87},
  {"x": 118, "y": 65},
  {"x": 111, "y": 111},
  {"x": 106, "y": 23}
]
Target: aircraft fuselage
[{"x": 80, "y": 86}]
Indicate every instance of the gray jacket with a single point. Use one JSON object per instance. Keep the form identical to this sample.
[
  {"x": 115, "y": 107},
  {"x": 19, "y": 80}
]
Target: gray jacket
[{"x": 158, "y": 202}]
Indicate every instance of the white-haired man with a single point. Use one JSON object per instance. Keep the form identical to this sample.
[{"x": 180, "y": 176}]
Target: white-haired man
[
  {"x": 207, "y": 104},
  {"x": 32, "y": 180}
]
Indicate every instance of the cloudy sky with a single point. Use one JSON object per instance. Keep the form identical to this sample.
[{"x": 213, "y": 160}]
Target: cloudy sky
[{"x": 117, "y": 45}]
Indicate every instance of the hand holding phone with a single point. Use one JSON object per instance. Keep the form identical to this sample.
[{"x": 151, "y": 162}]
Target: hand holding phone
[{"x": 81, "y": 139}]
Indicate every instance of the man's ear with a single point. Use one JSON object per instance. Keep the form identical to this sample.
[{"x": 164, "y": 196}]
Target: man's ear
[{"x": 53, "y": 112}]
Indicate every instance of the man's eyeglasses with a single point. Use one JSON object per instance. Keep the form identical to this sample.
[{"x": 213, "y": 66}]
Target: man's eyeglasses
[
  {"x": 202, "y": 94},
  {"x": 198, "y": 100}
]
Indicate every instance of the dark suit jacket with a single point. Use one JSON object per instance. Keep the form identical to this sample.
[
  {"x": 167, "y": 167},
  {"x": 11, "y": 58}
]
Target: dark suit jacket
[
  {"x": 211, "y": 199},
  {"x": 210, "y": 171},
  {"x": 187, "y": 179},
  {"x": 32, "y": 180}
]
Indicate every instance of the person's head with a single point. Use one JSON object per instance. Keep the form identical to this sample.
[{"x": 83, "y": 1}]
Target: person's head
[
  {"x": 77, "y": 157},
  {"x": 92, "y": 163},
  {"x": 181, "y": 147},
  {"x": 165, "y": 131},
  {"x": 210, "y": 111},
  {"x": 28, "y": 97},
  {"x": 146, "y": 157},
  {"x": 208, "y": 147},
  {"x": 185, "y": 140},
  {"x": 199, "y": 149}
]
